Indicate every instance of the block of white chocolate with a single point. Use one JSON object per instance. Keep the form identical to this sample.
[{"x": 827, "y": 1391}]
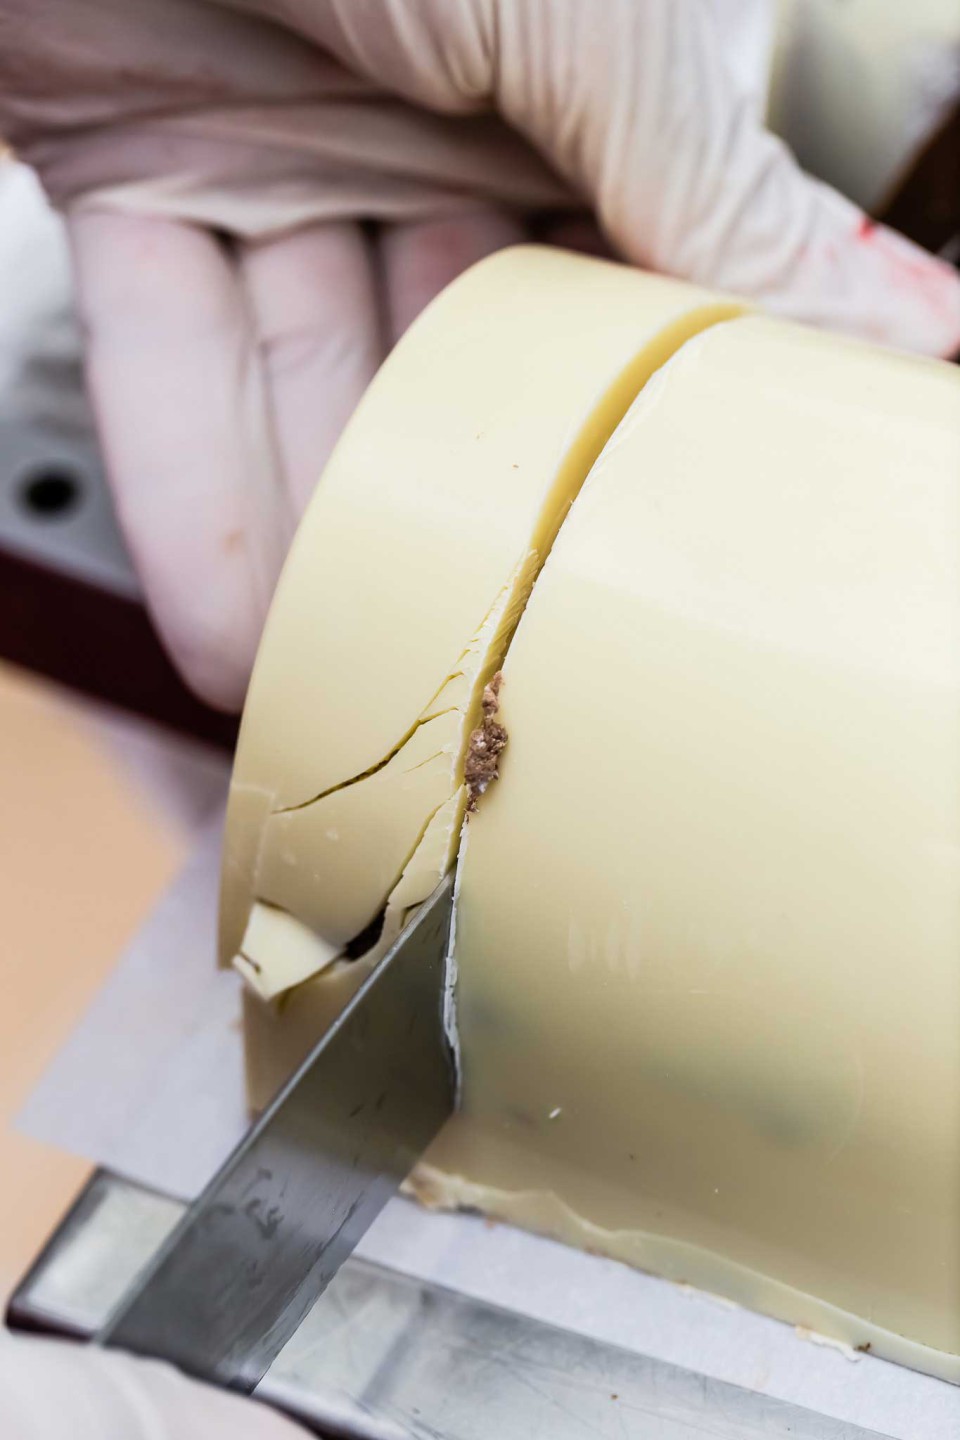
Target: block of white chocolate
[{"x": 708, "y": 933}]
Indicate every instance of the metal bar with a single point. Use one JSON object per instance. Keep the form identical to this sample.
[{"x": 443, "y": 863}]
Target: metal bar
[
  {"x": 385, "y": 1357},
  {"x": 70, "y": 604},
  {"x": 101, "y": 1246}
]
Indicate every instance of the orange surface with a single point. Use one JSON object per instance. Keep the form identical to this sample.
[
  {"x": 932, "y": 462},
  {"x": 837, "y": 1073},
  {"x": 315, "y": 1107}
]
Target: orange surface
[{"x": 83, "y": 857}]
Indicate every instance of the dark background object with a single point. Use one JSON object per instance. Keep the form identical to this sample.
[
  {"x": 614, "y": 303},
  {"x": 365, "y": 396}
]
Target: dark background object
[
  {"x": 925, "y": 203},
  {"x": 71, "y": 607},
  {"x": 52, "y": 491},
  {"x": 100, "y": 643}
]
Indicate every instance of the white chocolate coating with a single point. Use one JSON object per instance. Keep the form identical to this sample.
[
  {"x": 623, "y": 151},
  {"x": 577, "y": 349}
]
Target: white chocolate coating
[{"x": 708, "y": 936}]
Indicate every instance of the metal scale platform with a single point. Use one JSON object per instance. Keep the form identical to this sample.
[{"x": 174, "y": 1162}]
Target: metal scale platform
[{"x": 382, "y": 1356}]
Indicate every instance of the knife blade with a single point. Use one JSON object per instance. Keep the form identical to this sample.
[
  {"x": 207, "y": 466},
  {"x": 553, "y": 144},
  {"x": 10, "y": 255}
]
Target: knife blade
[{"x": 233, "y": 1281}]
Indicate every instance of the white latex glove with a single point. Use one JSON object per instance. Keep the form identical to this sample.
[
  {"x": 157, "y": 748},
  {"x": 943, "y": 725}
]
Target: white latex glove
[
  {"x": 214, "y": 158},
  {"x": 52, "y": 1390}
]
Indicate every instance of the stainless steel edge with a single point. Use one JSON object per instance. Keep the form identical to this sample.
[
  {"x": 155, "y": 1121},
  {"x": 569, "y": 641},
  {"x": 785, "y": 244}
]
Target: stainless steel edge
[
  {"x": 235, "y": 1278},
  {"x": 387, "y": 1357}
]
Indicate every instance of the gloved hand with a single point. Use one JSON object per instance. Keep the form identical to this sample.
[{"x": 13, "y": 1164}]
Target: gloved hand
[
  {"x": 51, "y": 1390},
  {"x": 214, "y": 158}
]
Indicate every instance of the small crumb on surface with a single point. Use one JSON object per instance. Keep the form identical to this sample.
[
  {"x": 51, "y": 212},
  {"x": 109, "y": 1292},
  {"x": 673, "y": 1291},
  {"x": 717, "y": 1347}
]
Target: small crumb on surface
[
  {"x": 804, "y": 1332},
  {"x": 486, "y": 744}
]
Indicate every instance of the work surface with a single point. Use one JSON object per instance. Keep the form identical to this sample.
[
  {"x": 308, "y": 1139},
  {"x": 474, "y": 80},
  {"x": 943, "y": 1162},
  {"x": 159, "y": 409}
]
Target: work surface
[{"x": 151, "y": 1085}]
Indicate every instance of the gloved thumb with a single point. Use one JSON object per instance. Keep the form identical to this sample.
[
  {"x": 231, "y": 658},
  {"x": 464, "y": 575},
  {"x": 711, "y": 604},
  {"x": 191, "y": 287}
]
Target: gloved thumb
[
  {"x": 645, "y": 118},
  {"x": 52, "y": 1390}
]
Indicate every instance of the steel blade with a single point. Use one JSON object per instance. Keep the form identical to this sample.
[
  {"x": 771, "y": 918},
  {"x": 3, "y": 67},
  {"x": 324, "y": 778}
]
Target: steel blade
[{"x": 252, "y": 1254}]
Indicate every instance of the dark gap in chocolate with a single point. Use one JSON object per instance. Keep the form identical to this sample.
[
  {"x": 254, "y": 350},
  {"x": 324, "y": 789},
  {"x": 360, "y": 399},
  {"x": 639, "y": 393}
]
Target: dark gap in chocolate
[
  {"x": 368, "y": 937},
  {"x": 925, "y": 202}
]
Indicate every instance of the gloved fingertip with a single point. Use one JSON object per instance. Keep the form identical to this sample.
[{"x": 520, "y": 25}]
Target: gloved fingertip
[
  {"x": 217, "y": 678},
  {"x": 860, "y": 277}
]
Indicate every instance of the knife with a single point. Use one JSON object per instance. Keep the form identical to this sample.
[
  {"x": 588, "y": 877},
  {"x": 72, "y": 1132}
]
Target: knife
[{"x": 237, "y": 1275}]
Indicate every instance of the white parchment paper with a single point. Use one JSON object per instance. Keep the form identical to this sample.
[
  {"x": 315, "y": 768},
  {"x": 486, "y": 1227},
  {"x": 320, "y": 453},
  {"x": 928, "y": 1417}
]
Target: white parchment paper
[{"x": 150, "y": 1085}]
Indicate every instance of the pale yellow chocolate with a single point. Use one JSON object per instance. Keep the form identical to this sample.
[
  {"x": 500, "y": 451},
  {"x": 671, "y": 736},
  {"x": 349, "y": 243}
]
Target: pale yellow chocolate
[{"x": 708, "y": 930}]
